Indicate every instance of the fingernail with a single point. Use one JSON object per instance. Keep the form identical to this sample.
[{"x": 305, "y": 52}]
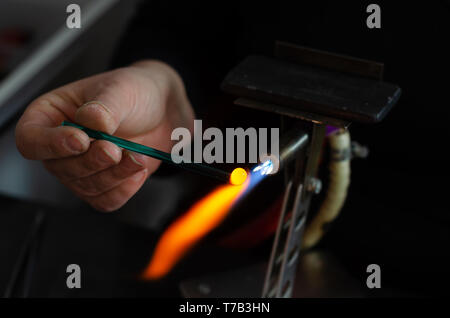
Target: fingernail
[
  {"x": 97, "y": 105},
  {"x": 136, "y": 158},
  {"x": 139, "y": 175},
  {"x": 75, "y": 143},
  {"x": 92, "y": 112},
  {"x": 97, "y": 116},
  {"x": 106, "y": 156}
]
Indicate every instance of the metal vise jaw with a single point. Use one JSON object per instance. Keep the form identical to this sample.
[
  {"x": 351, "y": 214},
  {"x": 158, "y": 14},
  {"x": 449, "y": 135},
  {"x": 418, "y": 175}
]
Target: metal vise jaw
[{"x": 309, "y": 89}]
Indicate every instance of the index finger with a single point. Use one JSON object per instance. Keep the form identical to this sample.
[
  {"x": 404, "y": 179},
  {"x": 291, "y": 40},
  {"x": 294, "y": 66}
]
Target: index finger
[{"x": 40, "y": 137}]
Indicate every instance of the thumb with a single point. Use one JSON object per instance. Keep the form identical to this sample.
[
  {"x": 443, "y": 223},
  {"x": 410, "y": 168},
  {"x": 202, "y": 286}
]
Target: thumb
[{"x": 127, "y": 103}]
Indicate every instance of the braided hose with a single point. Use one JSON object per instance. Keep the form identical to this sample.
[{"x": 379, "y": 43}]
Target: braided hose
[{"x": 339, "y": 169}]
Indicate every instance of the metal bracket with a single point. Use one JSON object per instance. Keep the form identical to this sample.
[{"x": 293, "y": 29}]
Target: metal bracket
[{"x": 285, "y": 253}]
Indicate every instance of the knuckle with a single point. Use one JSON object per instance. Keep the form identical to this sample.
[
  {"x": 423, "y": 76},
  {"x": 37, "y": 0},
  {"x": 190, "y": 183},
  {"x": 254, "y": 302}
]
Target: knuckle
[
  {"x": 69, "y": 174},
  {"x": 123, "y": 171},
  {"x": 90, "y": 163},
  {"x": 103, "y": 180},
  {"x": 58, "y": 98},
  {"x": 63, "y": 173},
  {"x": 85, "y": 187},
  {"x": 57, "y": 145},
  {"x": 118, "y": 172}
]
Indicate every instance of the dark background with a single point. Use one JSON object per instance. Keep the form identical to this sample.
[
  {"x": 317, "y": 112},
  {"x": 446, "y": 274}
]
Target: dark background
[{"x": 396, "y": 214}]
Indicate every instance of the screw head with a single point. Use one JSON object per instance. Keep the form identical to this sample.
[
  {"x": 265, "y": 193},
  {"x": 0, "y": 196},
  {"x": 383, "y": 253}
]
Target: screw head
[{"x": 314, "y": 185}]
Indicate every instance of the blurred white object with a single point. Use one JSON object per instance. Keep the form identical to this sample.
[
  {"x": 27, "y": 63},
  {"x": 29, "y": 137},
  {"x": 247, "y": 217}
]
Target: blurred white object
[{"x": 55, "y": 55}]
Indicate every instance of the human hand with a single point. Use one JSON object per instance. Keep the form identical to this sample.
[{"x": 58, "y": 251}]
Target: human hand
[{"x": 143, "y": 103}]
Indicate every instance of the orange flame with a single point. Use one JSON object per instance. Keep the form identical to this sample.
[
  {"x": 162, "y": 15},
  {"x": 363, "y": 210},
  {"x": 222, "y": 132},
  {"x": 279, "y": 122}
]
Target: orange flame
[{"x": 181, "y": 235}]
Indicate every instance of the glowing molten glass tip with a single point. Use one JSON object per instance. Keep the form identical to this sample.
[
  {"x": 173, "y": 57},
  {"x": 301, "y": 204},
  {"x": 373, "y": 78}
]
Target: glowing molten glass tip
[{"x": 238, "y": 176}]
